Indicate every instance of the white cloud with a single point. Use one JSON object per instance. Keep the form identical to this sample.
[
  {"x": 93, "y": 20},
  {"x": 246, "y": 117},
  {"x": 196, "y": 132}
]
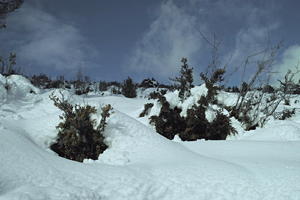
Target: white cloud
[
  {"x": 290, "y": 60},
  {"x": 175, "y": 34},
  {"x": 253, "y": 36},
  {"x": 42, "y": 40},
  {"x": 171, "y": 36}
]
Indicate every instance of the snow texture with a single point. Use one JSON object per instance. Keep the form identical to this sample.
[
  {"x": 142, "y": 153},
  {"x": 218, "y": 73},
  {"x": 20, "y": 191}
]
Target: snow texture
[{"x": 139, "y": 163}]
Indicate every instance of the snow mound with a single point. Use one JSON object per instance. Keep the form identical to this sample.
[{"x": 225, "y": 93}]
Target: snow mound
[
  {"x": 139, "y": 163},
  {"x": 150, "y": 169},
  {"x": 276, "y": 130},
  {"x": 16, "y": 87}
]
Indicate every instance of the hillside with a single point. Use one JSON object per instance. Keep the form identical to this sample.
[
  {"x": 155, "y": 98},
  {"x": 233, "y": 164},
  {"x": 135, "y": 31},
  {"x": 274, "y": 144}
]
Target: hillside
[{"x": 139, "y": 163}]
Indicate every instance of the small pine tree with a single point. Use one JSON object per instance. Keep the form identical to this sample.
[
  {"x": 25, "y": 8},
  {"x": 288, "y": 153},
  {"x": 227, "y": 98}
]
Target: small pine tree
[
  {"x": 129, "y": 88},
  {"x": 185, "y": 81}
]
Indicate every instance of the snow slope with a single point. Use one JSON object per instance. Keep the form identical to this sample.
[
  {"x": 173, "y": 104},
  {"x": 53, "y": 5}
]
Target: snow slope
[{"x": 140, "y": 164}]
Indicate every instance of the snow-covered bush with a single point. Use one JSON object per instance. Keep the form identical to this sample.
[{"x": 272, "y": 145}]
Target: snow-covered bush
[
  {"x": 147, "y": 107},
  {"x": 149, "y": 83},
  {"x": 78, "y": 138},
  {"x": 192, "y": 113},
  {"x": 169, "y": 122},
  {"x": 285, "y": 114},
  {"x": 194, "y": 118},
  {"x": 156, "y": 94}
]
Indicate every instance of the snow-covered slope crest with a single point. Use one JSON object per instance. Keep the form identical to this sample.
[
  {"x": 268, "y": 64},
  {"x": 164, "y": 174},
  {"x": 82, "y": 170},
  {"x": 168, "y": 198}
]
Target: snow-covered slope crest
[{"x": 16, "y": 87}]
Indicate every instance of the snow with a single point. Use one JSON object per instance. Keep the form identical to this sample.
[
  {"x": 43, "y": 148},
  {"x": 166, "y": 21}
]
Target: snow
[
  {"x": 16, "y": 87},
  {"x": 196, "y": 93},
  {"x": 139, "y": 163}
]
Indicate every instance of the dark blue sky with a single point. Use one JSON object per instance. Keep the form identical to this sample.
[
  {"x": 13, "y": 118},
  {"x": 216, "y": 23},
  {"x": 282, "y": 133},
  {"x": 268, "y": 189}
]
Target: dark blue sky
[{"x": 110, "y": 39}]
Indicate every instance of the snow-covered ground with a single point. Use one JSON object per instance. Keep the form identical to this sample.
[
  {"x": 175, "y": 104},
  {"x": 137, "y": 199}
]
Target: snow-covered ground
[{"x": 139, "y": 163}]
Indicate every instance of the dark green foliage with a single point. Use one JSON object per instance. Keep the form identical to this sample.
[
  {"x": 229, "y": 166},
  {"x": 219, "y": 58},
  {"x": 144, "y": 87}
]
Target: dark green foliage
[
  {"x": 192, "y": 127},
  {"x": 244, "y": 88},
  {"x": 196, "y": 124},
  {"x": 41, "y": 81},
  {"x": 210, "y": 83},
  {"x": 235, "y": 89},
  {"x": 129, "y": 88},
  {"x": 287, "y": 102},
  {"x": 116, "y": 90},
  {"x": 220, "y": 128},
  {"x": 185, "y": 80},
  {"x": 77, "y": 138},
  {"x": 147, "y": 107},
  {"x": 169, "y": 122},
  {"x": 82, "y": 90},
  {"x": 285, "y": 114},
  {"x": 157, "y": 94},
  {"x": 44, "y": 82},
  {"x": 297, "y": 90},
  {"x": 103, "y": 86},
  {"x": 149, "y": 83}
]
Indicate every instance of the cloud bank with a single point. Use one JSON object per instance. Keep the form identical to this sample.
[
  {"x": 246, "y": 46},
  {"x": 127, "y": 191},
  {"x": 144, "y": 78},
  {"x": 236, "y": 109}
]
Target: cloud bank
[
  {"x": 45, "y": 42},
  {"x": 242, "y": 28},
  {"x": 171, "y": 36},
  {"x": 289, "y": 61}
]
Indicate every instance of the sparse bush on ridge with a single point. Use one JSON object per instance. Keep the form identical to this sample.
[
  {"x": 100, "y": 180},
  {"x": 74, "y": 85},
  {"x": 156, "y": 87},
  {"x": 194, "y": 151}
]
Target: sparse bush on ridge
[
  {"x": 103, "y": 86},
  {"x": 44, "y": 82},
  {"x": 77, "y": 138},
  {"x": 129, "y": 88}
]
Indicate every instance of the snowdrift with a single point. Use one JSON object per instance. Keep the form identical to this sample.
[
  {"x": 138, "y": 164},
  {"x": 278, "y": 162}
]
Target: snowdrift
[
  {"x": 139, "y": 163},
  {"x": 16, "y": 87}
]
